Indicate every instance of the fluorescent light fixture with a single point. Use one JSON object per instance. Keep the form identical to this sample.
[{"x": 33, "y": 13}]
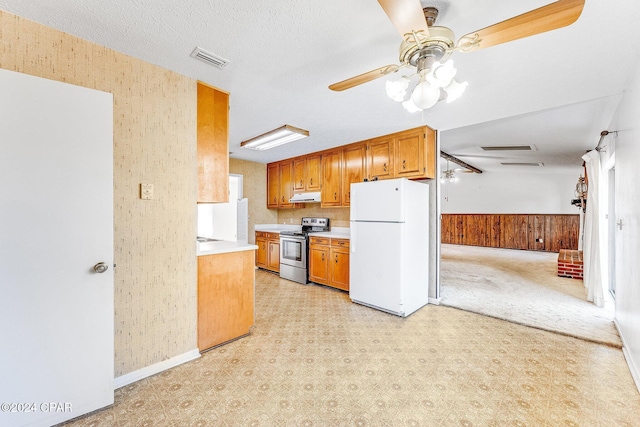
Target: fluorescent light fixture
[{"x": 275, "y": 137}]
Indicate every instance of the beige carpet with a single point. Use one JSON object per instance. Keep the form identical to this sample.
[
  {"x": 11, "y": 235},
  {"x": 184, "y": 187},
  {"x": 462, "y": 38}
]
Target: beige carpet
[
  {"x": 522, "y": 287},
  {"x": 316, "y": 359}
]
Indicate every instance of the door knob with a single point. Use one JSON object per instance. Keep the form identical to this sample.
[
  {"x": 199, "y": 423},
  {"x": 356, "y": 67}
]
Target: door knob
[{"x": 100, "y": 267}]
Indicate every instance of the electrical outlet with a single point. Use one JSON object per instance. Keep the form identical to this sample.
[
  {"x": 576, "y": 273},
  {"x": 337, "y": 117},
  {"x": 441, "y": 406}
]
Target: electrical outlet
[{"x": 146, "y": 191}]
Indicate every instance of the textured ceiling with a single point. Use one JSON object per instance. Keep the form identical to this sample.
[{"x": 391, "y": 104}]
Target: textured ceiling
[{"x": 557, "y": 90}]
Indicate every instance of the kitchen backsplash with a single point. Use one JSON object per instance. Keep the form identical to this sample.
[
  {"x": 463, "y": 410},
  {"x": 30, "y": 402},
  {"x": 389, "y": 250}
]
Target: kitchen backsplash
[{"x": 339, "y": 217}]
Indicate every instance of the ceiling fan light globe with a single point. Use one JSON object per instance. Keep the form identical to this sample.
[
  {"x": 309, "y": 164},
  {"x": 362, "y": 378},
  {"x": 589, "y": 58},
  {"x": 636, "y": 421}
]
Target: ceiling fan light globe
[
  {"x": 443, "y": 74},
  {"x": 410, "y": 106},
  {"x": 397, "y": 90},
  {"x": 425, "y": 95},
  {"x": 455, "y": 90}
]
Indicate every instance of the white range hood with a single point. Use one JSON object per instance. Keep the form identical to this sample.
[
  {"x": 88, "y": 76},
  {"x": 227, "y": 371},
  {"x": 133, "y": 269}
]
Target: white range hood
[{"x": 311, "y": 197}]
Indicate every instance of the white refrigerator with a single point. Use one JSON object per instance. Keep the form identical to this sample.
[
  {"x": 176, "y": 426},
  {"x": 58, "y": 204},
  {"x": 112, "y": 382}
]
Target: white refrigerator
[{"x": 389, "y": 260}]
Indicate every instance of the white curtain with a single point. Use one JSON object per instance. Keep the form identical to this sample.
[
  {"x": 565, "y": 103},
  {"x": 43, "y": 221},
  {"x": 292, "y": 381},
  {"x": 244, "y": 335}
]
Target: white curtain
[{"x": 594, "y": 248}]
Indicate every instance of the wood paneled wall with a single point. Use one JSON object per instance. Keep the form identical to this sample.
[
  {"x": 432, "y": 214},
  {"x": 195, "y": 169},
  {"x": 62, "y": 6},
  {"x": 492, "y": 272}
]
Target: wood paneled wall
[{"x": 537, "y": 232}]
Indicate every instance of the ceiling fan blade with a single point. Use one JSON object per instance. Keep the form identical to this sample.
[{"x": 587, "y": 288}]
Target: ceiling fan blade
[
  {"x": 550, "y": 17},
  {"x": 363, "y": 78},
  {"x": 406, "y": 15}
]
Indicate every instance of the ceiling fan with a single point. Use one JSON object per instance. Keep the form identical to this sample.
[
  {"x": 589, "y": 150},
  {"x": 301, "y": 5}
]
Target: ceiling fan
[{"x": 426, "y": 46}]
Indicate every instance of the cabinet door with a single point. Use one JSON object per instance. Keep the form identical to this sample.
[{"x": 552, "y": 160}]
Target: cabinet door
[
  {"x": 274, "y": 255},
  {"x": 354, "y": 169},
  {"x": 319, "y": 264},
  {"x": 212, "y": 144},
  {"x": 273, "y": 185},
  {"x": 331, "y": 173},
  {"x": 339, "y": 268},
  {"x": 226, "y": 295},
  {"x": 380, "y": 158},
  {"x": 313, "y": 173},
  {"x": 409, "y": 154},
  {"x": 261, "y": 255},
  {"x": 299, "y": 178},
  {"x": 286, "y": 184}
]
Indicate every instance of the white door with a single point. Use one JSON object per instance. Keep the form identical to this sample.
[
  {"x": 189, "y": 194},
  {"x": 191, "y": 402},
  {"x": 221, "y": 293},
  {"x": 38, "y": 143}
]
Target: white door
[{"x": 56, "y": 223}]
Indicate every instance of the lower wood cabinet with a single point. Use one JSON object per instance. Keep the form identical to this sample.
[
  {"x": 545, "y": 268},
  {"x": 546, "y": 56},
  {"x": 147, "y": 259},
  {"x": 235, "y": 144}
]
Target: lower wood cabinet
[
  {"x": 268, "y": 254},
  {"x": 226, "y": 297},
  {"x": 329, "y": 262}
]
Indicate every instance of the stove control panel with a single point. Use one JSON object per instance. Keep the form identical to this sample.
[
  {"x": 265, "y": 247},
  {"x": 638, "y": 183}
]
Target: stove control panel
[{"x": 316, "y": 222}]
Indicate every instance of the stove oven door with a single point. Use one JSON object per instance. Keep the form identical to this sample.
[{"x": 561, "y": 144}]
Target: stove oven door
[{"x": 293, "y": 251}]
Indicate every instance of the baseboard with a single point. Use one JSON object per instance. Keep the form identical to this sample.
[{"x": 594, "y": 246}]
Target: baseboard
[
  {"x": 633, "y": 367},
  {"x": 434, "y": 301},
  {"x": 156, "y": 368}
]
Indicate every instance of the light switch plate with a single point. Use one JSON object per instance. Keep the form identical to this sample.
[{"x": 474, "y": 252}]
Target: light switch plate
[{"x": 146, "y": 191}]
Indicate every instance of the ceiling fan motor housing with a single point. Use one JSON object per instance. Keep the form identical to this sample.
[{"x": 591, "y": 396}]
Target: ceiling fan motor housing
[{"x": 438, "y": 45}]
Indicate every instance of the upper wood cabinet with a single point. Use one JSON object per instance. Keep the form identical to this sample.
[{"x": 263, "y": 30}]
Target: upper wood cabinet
[
  {"x": 299, "y": 174},
  {"x": 332, "y": 177},
  {"x": 273, "y": 185},
  {"x": 313, "y": 172},
  {"x": 307, "y": 173},
  {"x": 353, "y": 169},
  {"x": 212, "y": 144},
  {"x": 380, "y": 158},
  {"x": 286, "y": 184},
  {"x": 280, "y": 182},
  {"x": 408, "y": 154}
]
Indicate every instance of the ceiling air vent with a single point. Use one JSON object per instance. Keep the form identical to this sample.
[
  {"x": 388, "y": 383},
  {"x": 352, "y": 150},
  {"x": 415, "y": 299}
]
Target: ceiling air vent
[
  {"x": 209, "y": 58},
  {"x": 509, "y": 148},
  {"x": 522, "y": 163}
]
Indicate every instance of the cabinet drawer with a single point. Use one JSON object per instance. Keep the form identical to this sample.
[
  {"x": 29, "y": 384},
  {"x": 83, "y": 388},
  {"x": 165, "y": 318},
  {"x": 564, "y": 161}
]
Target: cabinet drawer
[
  {"x": 273, "y": 236},
  {"x": 313, "y": 240},
  {"x": 261, "y": 234},
  {"x": 343, "y": 243}
]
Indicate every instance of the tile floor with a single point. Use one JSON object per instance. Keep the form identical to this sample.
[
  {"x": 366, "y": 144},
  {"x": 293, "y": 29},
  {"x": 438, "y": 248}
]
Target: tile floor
[{"x": 316, "y": 359}]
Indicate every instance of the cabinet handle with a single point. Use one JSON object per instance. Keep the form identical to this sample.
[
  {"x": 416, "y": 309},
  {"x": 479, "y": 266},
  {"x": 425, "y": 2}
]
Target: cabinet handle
[
  {"x": 336, "y": 258},
  {"x": 323, "y": 256},
  {"x": 335, "y": 196},
  {"x": 311, "y": 181},
  {"x": 385, "y": 167},
  {"x": 301, "y": 183},
  {"x": 404, "y": 164},
  {"x": 282, "y": 199},
  {"x": 275, "y": 200}
]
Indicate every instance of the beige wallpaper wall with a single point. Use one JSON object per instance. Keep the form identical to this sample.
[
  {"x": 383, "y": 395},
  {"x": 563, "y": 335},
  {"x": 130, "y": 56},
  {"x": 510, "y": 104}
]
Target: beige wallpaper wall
[
  {"x": 255, "y": 189},
  {"x": 154, "y": 142}
]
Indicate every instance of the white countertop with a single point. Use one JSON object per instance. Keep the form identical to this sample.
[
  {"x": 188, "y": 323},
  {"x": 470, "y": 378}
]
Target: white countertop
[
  {"x": 335, "y": 232},
  {"x": 276, "y": 228},
  {"x": 223, "y": 246}
]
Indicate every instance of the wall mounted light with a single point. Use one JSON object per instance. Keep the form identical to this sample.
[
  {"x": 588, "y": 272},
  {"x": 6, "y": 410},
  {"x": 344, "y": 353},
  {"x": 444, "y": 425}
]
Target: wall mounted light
[{"x": 274, "y": 138}]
